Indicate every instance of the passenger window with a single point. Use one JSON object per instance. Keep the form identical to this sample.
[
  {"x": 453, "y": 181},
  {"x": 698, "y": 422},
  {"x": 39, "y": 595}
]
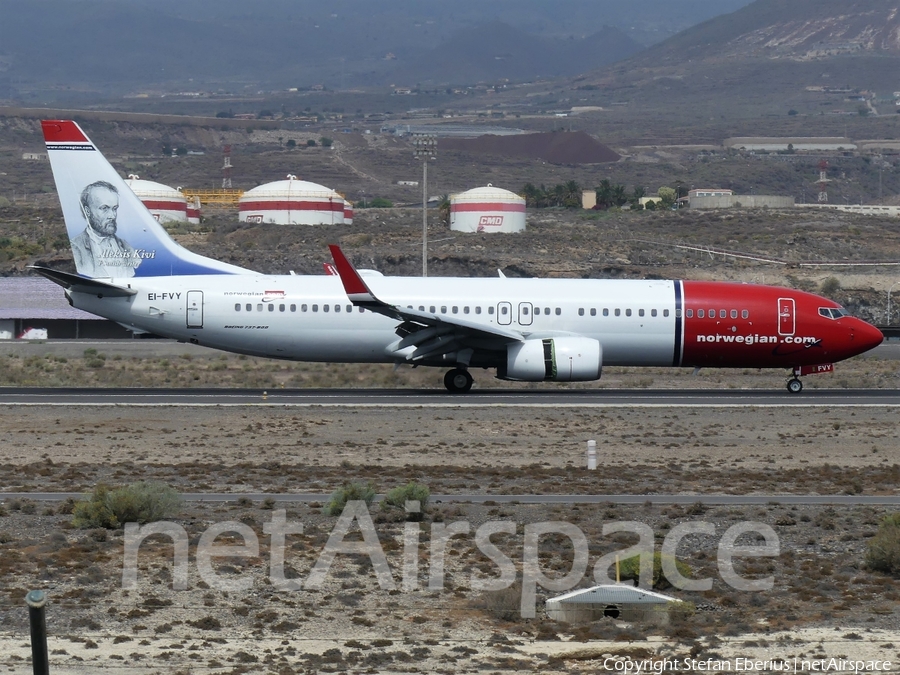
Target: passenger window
[
  {"x": 293, "y": 308},
  {"x": 525, "y": 311},
  {"x": 618, "y": 312},
  {"x": 280, "y": 308},
  {"x": 491, "y": 310},
  {"x": 745, "y": 314},
  {"x": 325, "y": 308},
  {"x": 678, "y": 313},
  {"x": 431, "y": 309},
  {"x": 421, "y": 308},
  {"x": 503, "y": 310},
  {"x": 271, "y": 308},
  {"x": 581, "y": 311},
  {"x": 605, "y": 311},
  {"x": 558, "y": 311},
  {"x": 640, "y": 312},
  {"x": 723, "y": 314},
  {"x": 443, "y": 309},
  {"x": 628, "y": 312},
  {"x": 237, "y": 307},
  {"x": 249, "y": 307},
  {"x": 350, "y": 308},
  {"x": 315, "y": 308},
  {"x": 455, "y": 309},
  {"x": 337, "y": 309},
  {"x": 666, "y": 312},
  {"x": 259, "y": 307},
  {"x": 652, "y": 312},
  {"x": 303, "y": 308},
  {"x": 478, "y": 310},
  {"x": 465, "y": 310},
  {"x": 593, "y": 311},
  {"x": 700, "y": 314}
]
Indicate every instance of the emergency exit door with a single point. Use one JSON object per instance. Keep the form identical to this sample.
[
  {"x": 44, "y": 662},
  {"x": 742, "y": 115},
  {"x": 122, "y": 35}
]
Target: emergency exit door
[{"x": 195, "y": 309}]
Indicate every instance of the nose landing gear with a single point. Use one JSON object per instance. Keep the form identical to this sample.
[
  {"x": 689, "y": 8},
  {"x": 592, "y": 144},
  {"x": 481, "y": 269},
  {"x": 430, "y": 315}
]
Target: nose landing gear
[
  {"x": 458, "y": 381},
  {"x": 794, "y": 385}
]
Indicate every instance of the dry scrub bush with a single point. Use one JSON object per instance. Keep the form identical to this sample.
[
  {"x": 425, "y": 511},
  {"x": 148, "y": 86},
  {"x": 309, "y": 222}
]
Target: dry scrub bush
[
  {"x": 883, "y": 552},
  {"x": 349, "y": 492},
  {"x": 630, "y": 569},
  {"x": 411, "y": 492},
  {"x": 141, "y": 502}
]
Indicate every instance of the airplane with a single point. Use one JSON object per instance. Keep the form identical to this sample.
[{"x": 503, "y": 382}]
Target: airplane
[{"x": 533, "y": 330}]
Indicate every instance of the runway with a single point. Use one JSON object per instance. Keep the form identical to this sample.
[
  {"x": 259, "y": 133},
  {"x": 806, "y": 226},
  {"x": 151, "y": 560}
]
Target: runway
[{"x": 433, "y": 398}]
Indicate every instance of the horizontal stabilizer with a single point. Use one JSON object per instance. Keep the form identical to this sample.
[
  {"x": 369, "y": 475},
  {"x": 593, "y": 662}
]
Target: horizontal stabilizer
[{"x": 79, "y": 284}]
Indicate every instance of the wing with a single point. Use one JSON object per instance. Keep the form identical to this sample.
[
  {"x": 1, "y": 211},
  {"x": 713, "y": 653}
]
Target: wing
[{"x": 423, "y": 335}]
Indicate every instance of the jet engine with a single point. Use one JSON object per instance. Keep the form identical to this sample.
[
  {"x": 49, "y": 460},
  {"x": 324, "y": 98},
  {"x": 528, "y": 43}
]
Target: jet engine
[{"x": 565, "y": 359}]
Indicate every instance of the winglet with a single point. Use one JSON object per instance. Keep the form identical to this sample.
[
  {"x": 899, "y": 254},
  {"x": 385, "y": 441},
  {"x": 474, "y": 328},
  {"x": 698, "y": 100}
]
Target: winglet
[{"x": 354, "y": 286}]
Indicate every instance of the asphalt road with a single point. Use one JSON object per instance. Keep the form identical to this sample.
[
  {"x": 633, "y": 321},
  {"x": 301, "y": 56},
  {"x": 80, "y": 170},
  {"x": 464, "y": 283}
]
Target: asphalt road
[{"x": 10, "y": 396}]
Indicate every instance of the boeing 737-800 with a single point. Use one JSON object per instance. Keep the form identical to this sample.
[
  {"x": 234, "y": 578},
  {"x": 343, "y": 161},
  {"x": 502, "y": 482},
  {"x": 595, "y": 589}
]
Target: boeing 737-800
[{"x": 565, "y": 330}]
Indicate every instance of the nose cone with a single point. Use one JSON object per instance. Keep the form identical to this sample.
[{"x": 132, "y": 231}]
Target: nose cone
[{"x": 865, "y": 337}]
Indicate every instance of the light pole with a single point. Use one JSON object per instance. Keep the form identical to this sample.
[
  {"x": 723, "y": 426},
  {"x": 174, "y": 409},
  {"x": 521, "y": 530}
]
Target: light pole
[
  {"x": 890, "y": 290},
  {"x": 426, "y": 148}
]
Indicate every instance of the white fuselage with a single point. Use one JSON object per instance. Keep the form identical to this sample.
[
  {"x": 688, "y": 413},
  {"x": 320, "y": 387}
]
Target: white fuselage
[{"x": 309, "y": 318}]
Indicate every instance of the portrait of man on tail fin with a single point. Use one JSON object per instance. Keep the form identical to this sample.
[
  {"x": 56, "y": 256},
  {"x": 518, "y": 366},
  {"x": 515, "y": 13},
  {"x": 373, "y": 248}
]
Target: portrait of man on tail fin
[{"x": 98, "y": 251}]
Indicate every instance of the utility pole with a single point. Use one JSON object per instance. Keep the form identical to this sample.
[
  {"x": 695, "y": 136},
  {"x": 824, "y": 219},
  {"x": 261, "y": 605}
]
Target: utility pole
[{"x": 425, "y": 148}]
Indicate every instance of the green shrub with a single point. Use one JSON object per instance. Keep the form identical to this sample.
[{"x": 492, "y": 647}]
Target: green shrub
[
  {"x": 412, "y": 491},
  {"x": 883, "y": 552},
  {"x": 349, "y": 492},
  {"x": 141, "y": 502},
  {"x": 630, "y": 569}
]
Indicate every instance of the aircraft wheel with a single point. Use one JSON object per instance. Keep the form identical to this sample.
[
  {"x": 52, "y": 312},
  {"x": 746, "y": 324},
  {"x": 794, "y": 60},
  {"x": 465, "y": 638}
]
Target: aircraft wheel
[
  {"x": 458, "y": 381},
  {"x": 794, "y": 385}
]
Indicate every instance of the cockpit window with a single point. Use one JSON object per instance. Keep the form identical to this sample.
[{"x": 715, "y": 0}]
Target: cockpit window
[{"x": 833, "y": 312}]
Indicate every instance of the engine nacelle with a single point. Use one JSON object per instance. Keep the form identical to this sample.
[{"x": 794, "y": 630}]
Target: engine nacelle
[{"x": 565, "y": 359}]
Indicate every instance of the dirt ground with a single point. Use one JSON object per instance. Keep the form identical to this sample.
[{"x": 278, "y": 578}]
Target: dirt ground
[{"x": 824, "y": 603}]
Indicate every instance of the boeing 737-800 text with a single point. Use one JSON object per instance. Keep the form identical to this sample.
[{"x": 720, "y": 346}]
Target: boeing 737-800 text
[{"x": 132, "y": 272}]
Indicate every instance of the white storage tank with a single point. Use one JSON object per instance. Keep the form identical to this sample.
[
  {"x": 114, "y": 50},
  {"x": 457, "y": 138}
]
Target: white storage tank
[
  {"x": 165, "y": 203},
  {"x": 193, "y": 211},
  {"x": 487, "y": 209},
  {"x": 348, "y": 213},
  {"x": 292, "y": 202}
]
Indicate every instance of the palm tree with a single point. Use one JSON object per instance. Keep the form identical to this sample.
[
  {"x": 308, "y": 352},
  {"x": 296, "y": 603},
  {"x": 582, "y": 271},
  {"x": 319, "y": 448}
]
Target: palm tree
[{"x": 604, "y": 194}]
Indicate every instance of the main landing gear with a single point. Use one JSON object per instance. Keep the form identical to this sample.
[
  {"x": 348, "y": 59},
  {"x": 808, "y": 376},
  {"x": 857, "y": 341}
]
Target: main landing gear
[
  {"x": 794, "y": 385},
  {"x": 458, "y": 381}
]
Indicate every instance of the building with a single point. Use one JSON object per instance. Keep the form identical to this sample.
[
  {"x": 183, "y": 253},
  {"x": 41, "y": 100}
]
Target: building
[
  {"x": 292, "y": 202},
  {"x": 487, "y": 209},
  {"x": 746, "y": 201},
  {"x": 797, "y": 144},
  {"x": 616, "y": 601},
  {"x": 34, "y": 306}
]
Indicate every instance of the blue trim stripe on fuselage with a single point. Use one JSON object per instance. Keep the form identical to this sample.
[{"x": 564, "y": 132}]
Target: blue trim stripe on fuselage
[{"x": 679, "y": 292}]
